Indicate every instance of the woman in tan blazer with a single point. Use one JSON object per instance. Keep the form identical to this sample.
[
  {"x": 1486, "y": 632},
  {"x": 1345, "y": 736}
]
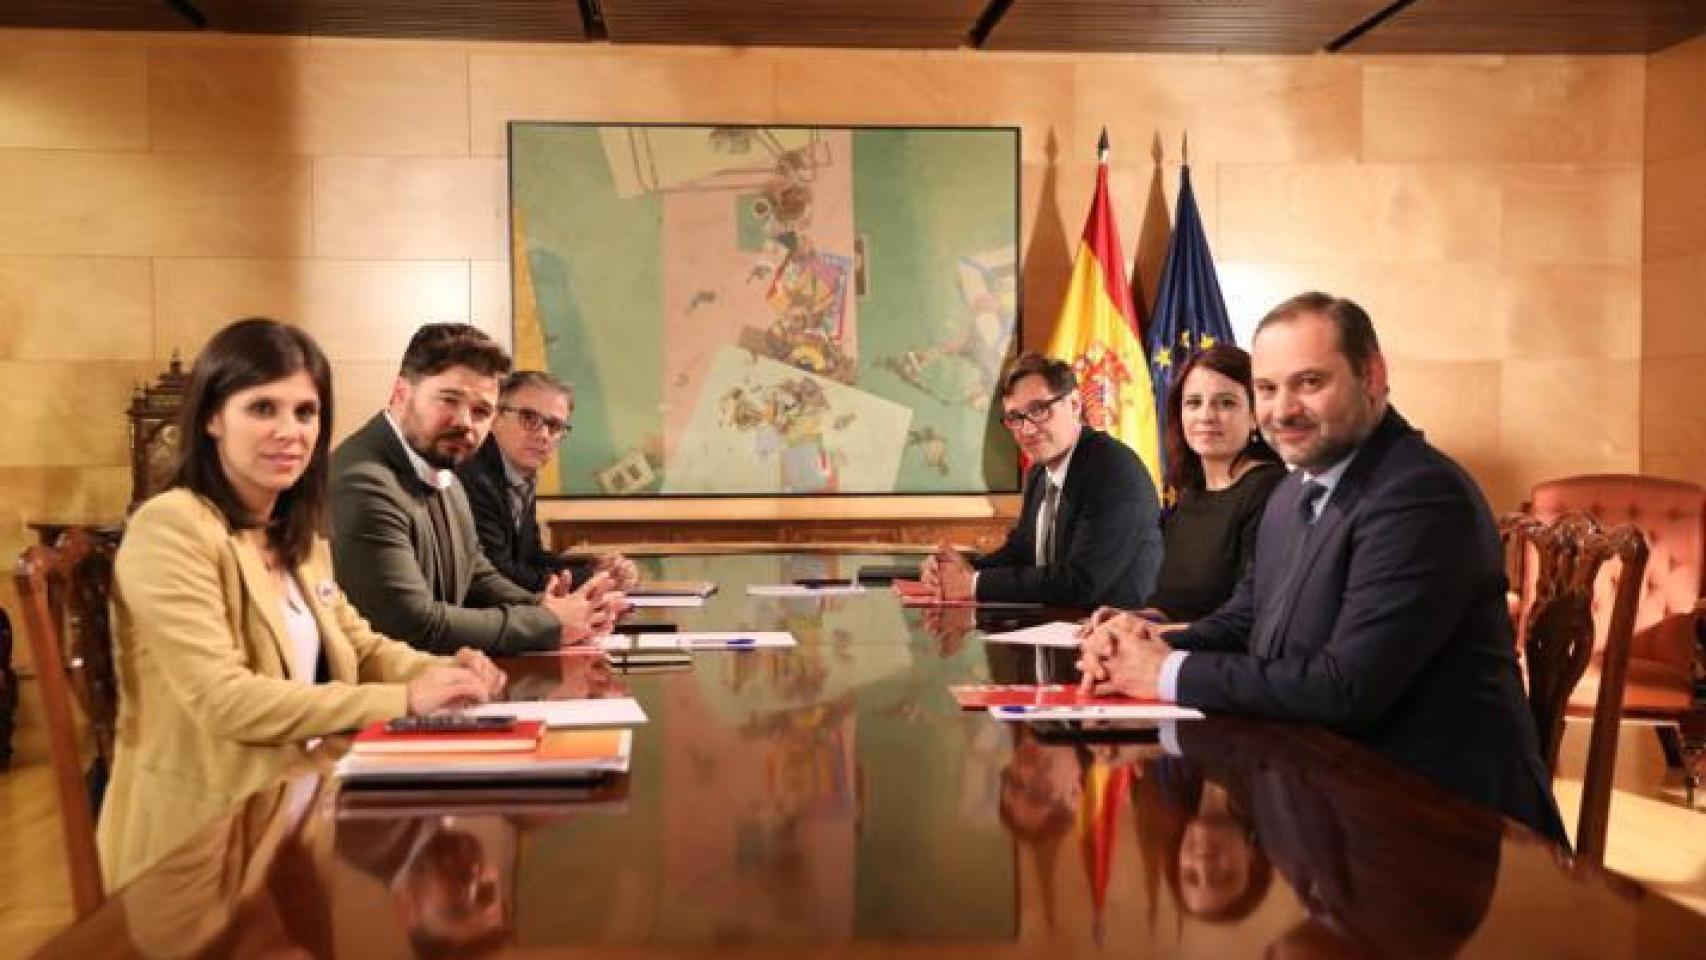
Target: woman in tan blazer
[{"x": 234, "y": 646}]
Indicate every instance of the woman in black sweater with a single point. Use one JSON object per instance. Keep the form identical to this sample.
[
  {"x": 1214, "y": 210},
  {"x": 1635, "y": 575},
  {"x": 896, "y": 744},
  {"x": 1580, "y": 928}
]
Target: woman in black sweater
[{"x": 1222, "y": 471}]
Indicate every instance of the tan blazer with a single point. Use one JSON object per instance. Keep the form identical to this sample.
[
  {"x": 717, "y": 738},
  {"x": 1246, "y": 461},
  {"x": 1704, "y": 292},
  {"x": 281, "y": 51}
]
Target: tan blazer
[{"x": 208, "y": 709}]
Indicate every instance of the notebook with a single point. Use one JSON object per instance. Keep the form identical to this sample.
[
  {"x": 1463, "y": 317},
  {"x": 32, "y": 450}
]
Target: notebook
[{"x": 376, "y": 739}]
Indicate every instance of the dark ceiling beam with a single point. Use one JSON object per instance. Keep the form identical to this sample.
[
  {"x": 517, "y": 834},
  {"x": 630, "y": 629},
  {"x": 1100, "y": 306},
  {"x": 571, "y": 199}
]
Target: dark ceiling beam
[
  {"x": 188, "y": 11},
  {"x": 987, "y": 22},
  {"x": 592, "y": 20},
  {"x": 1355, "y": 33},
  {"x": 1072, "y": 26}
]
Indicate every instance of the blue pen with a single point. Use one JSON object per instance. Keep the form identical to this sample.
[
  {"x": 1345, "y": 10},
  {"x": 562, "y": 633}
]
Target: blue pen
[{"x": 732, "y": 643}]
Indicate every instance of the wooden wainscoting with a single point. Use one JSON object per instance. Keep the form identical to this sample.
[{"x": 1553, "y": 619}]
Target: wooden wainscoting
[{"x": 977, "y": 523}]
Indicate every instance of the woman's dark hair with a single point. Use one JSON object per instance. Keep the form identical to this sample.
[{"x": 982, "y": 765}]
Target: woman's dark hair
[
  {"x": 245, "y": 354},
  {"x": 1184, "y": 466}
]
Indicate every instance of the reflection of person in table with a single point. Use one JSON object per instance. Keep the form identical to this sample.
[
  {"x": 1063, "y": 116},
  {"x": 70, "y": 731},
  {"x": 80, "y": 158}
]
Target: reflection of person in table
[
  {"x": 1202, "y": 834},
  {"x": 1041, "y": 789},
  {"x": 451, "y": 877},
  {"x": 247, "y": 884},
  {"x": 1376, "y": 881},
  {"x": 450, "y": 897},
  {"x": 577, "y": 676},
  {"x": 948, "y": 626}
]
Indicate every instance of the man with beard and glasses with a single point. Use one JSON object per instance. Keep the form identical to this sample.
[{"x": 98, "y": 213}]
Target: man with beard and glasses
[
  {"x": 1376, "y": 601},
  {"x": 403, "y": 535},
  {"x": 502, "y": 482}
]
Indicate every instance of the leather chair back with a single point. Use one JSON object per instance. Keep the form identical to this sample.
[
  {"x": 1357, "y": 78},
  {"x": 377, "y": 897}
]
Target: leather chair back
[{"x": 1671, "y": 515}]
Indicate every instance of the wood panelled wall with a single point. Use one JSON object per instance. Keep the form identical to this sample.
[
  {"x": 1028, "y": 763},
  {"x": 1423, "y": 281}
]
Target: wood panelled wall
[
  {"x": 1488, "y": 211},
  {"x": 1673, "y": 347}
]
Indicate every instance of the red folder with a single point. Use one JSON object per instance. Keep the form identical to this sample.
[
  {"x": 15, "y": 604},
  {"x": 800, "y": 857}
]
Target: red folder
[{"x": 982, "y": 696}]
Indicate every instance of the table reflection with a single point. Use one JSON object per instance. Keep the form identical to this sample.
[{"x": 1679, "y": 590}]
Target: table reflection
[{"x": 451, "y": 878}]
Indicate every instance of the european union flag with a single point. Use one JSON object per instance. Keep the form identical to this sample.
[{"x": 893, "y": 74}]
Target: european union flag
[{"x": 1190, "y": 313}]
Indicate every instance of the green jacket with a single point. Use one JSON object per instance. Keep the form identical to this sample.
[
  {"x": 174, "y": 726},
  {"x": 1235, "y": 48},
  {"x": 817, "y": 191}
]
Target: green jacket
[{"x": 387, "y": 558}]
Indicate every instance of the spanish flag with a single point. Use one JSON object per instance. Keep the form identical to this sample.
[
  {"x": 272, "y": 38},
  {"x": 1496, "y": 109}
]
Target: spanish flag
[{"x": 1097, "y": 333}]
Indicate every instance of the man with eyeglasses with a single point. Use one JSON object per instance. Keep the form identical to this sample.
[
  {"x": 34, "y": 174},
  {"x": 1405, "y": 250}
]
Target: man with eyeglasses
[
  {"x": 1088, "y": 533},
  {"x": 403, "y": 540},
  {"x": 502, "y": 479}
]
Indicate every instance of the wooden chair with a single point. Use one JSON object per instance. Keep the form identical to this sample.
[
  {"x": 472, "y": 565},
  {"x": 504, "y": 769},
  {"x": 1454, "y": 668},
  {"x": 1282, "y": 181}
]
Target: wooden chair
[
  {"x": 1665, "y": 655},
  {"x": 64, "y": 592},
  {"x": 1559, "y": 640},
  {"x": 8, "y": 692}
]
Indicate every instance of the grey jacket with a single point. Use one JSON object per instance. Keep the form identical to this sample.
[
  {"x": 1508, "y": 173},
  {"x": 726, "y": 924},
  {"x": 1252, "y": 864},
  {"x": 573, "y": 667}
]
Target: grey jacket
[{"x": 388, "y": 563}]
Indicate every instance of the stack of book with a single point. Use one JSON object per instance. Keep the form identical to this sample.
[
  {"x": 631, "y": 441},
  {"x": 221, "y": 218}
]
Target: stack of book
[{"x": 523, "y": 752}]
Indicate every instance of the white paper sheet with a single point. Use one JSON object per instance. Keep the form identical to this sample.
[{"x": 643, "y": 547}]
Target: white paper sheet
[
  {"x": 741, "y": 640},
  {"x": 1136, "y": 711},
  {"x": 642, "y": 603},
  {"x": 801, "y": 590},
  {"x": 1057, "y": 634},
  {"x": 611, "y": 712},
  {"x": 650, "y": 641}
]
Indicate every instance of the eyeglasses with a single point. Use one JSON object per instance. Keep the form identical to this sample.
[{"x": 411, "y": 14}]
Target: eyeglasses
[
  {"x": 1036, "y": 414},
  {"x": 533, "y": 421}
]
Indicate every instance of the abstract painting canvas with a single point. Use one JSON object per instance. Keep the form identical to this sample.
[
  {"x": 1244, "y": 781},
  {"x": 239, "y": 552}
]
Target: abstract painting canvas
[{"x": 769, "y": 311}]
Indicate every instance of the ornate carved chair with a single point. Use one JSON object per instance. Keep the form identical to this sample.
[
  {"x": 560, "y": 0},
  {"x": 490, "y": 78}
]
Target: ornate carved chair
[
  {"x": 1665, "y": 652},
  {"x": 64, "y": 592},
  {"x": 1559, "y": 632},
  {"x": 153, "y": 417}
]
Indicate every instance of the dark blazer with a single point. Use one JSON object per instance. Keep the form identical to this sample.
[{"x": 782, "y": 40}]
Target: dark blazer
[
  {"x": 1396, "y": 634},
  {"x": 514, "y": 549},
  {"x": 1106, "y": 547},
  {"x": 387, "y": 558}
]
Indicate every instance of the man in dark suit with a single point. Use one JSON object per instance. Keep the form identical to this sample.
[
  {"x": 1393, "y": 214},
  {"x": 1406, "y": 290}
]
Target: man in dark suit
[
  {"x": 1088, "y": 533},
  {"x": 502, "y": 478},
  {"x": 1376, "y": 601},
  {"x": 403, "y": 539}
]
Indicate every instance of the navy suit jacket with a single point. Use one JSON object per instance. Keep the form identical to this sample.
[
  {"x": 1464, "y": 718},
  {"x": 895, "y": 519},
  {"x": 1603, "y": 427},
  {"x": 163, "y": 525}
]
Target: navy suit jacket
[
  {"x": 1396, "y": 633},
  {"x": 1106, "y": 547},
  {"x": 514, "y": 548}
]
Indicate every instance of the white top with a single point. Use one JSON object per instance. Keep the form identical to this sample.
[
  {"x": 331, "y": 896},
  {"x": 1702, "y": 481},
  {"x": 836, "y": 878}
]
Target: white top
[{"x": 302, "y": 633}]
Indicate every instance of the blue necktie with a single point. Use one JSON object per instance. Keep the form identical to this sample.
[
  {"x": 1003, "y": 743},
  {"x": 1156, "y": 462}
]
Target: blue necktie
[
  {"x": 1312, "y": 494},
  {"x": 1285, "y": 595}
]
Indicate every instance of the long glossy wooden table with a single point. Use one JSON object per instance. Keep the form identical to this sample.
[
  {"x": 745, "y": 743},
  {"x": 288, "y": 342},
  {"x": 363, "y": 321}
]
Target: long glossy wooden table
[{"x": 832, "y": 801}]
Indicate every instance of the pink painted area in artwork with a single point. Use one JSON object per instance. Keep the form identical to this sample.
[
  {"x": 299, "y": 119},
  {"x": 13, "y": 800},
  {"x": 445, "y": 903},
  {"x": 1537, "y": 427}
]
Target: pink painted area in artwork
[{"x": 715, "y": 293}]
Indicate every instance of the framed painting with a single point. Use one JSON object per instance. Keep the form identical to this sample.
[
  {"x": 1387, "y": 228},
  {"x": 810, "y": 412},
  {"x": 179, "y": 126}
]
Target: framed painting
[{"x": 769, "y": 310}]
